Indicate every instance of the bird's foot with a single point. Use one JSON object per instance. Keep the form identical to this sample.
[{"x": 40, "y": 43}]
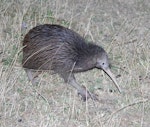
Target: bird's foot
[{"x": 85, "y": 94}]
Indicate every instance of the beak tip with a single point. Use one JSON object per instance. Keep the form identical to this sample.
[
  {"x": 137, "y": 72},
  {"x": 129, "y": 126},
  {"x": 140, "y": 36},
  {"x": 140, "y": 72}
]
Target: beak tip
[
  {"x": 119, "y": 91},
  {"x": 109, "y": 73}
]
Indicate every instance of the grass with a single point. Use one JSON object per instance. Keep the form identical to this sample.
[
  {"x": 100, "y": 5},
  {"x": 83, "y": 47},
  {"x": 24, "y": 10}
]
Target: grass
[{"x": 121, "y": 27}]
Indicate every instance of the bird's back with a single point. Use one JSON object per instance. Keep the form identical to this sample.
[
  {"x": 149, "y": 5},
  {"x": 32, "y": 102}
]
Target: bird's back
[{"x": 51, "y": 47}]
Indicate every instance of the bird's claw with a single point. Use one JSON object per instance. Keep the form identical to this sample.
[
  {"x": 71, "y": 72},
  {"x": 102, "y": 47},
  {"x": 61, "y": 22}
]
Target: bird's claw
[{"x": 85, "y": 94}]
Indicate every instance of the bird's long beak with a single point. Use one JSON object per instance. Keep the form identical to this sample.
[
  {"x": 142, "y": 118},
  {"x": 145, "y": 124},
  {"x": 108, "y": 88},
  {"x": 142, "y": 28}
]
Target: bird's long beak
[{"x": 110, "y": 74}]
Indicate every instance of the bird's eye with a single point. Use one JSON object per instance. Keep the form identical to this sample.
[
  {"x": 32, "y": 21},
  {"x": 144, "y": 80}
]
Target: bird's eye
[
  {"x": 110, "y": 65},
  {"x": 103, "y": 63}
]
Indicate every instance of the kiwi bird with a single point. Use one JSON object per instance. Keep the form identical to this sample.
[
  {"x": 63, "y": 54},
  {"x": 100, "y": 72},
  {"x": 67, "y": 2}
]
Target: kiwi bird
[{"x": 65, "y": 52}]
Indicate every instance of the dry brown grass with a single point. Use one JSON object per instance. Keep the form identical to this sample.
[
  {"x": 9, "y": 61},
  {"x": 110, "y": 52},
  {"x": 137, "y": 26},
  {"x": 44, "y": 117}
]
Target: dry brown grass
[{"x": 122, "y": 27}]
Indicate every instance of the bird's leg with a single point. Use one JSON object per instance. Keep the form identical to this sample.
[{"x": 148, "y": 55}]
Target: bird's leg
[
  {"x": 82, "y": 90},
  {"x": 32, "y": 75}
]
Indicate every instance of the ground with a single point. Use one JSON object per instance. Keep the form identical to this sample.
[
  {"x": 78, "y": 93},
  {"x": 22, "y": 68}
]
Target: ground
[{"x": 121, "y": 27}]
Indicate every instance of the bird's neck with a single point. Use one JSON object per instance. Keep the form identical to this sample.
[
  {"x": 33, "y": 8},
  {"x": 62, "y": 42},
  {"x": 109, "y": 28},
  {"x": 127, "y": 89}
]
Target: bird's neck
[{"x": 84, "y": 65}]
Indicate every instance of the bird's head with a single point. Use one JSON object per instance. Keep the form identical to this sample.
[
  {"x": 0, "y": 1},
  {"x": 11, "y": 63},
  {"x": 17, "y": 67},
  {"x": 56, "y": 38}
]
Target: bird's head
[{"x": 102, "y": 62}]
